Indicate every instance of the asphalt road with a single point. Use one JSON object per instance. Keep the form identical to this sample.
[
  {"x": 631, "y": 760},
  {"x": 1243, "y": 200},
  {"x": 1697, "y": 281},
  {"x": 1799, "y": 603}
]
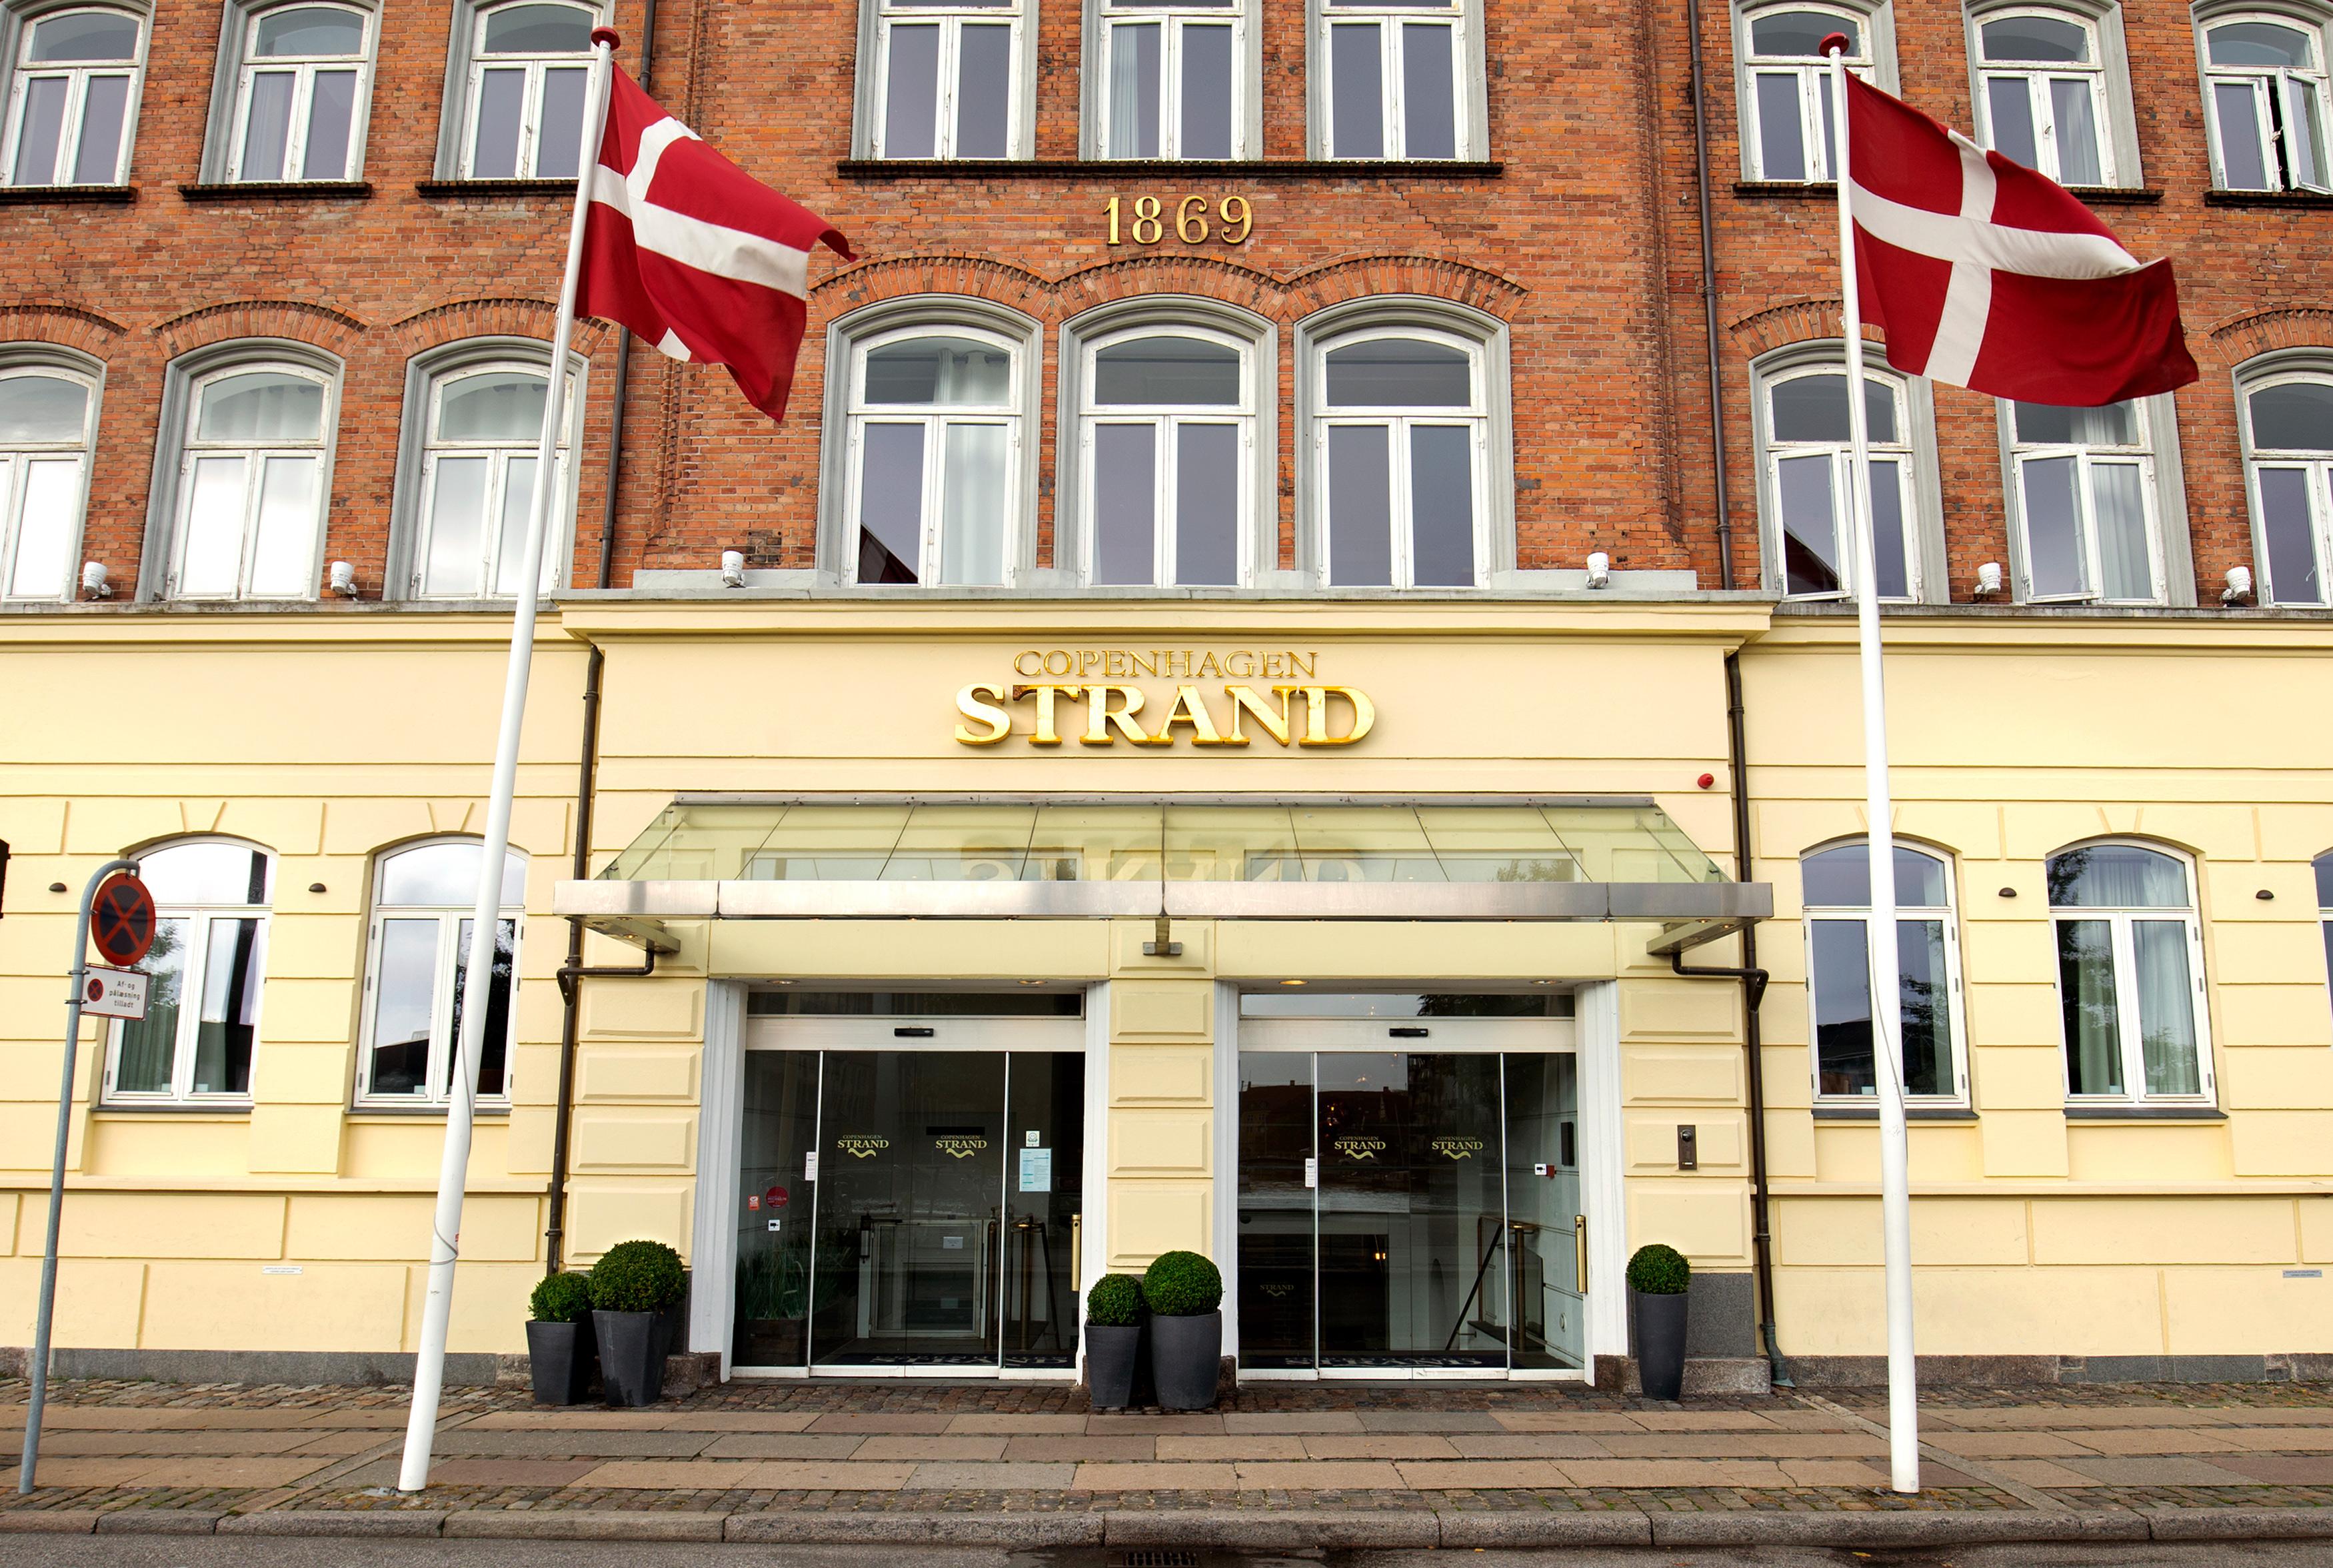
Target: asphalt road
[{"x": 313, "y": 1552}]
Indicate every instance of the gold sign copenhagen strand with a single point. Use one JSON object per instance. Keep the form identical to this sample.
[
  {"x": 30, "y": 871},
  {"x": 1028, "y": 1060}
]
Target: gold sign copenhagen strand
[{"x": 1113, "y": 709}]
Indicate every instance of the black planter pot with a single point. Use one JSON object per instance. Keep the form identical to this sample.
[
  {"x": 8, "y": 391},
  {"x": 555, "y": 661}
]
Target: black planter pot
[
  {"x": 1113, "y": 1352},
  {"x": 1187, "y": 1360},
  {"x": 1660, "y": 1344},
  {"x": 631, "y": 1357},
  {"x": 561, "y": 1358}
]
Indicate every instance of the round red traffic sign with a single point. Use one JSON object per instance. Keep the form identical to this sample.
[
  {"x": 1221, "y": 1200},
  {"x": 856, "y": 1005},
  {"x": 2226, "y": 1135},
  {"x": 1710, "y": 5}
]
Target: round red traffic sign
[{"x": 121, "y": 920}]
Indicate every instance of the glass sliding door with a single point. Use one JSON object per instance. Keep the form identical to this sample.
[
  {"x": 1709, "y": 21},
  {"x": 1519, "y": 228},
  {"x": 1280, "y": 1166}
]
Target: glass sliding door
[
  {"x": 1045, "y": 1181},
  {"x": 1275, "y": 1210},
  {"x": 773, "y": 1221},
  {"x": 1544, "y": 1207}
]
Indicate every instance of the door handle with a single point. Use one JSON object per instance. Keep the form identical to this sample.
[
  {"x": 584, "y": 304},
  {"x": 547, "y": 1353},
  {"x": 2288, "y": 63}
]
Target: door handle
[
  {"x": 1076, "y": 1252},
  {"x": 1580, "y": 1252}
]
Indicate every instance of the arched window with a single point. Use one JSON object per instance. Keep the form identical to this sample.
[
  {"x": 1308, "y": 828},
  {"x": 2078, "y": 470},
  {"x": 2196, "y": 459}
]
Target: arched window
[
  {"x": 2085, "y": 496},
  {"x": 946, "y": 79},
  {"x": 935, "y": 457},
  {"x": 1836, "y": 889},
  {"x": 249, "y": 461},
  {"x": 1785, "y": 84},
  {"x": 2287, "y": 405},
  {"x": 423, "y": 899},
  {"x": 48, "y": 419},
  {"x": 2264, "y": 82},
  {"x": 473, "y": 425},
  {"x": 207, "y": 966},
  {"x": 1398, "y": 78},
  {"x": 1803, "y": 476},
  {"x": 2130, "y": 975},
  {"x": 2044, "y": 98},
  {"x": 529, "y": 64},
  {"x": 303, "y": 85},
  {"x": 1403, "y": 431},
  {"x": 72, "y": 101},
  {"x": 1167, "y": 432}
]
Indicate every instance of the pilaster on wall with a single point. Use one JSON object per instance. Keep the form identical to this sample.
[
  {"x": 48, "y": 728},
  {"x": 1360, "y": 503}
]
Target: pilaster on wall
[{"x": 1161, "y": 1131}]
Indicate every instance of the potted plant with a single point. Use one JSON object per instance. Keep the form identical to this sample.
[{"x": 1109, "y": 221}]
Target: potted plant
[
  {"x": 632, "y": 1285},
  {"x": 1659, "y": 1277},
  {"x": 561, "y": 1351},
  {"x": 1113, "y": 1340},
  {"x": 1185, "y": 1294}
]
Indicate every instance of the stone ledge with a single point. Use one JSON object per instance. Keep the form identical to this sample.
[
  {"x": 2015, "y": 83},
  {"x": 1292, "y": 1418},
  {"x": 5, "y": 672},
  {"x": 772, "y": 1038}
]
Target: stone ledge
[
  {"x": 1273, "y": 1530},
  {"x": 1907, "y": 1527},
  {"x": 583, "y": 1524},
  {"x": 47, "y": 1521},
  {"x": 336, "y": 1522},
  {"x": 1516, "y": 1527},
  {"x": 2238, "y": 1524},
  {"x": 157, "y": 1522}
]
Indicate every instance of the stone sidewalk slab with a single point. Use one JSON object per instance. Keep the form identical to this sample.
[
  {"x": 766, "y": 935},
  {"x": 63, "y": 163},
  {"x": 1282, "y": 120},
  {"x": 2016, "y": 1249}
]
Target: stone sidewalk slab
[
  {"x": 1257, "y": 1446},
  {"x": 1416, "y": 1445},
  {"x": 2006, "y": 1444},
  {"x": 1528, "y": 1446},
  {"x": 1298, "y": 1423},
  {"x": 2156, "y": 1472},
  {"x": 785, "y": 1445},
  {"x": 956, "y": 1476},
  {"x": 2161, "y": 1440},
  {"x": 1155, "y": 1477},
  {"x": 1075, "y": 1449},
  {"x": 1318, "y": 1475},
  {"x": 1017, "y": 1425},
  {"x": 1482, "y": 1474},
  {"x": 884, "y": 1447}
]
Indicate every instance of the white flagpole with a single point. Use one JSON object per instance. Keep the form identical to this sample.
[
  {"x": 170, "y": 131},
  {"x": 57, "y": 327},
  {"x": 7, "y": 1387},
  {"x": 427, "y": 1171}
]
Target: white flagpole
[
  {"x": 453, "y": 1170},
  {"x": 1887, "y": 988}
]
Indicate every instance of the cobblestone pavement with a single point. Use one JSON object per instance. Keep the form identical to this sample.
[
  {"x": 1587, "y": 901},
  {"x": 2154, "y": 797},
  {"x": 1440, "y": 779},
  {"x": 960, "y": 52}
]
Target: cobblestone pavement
[{"x": 221, "y": 1454}]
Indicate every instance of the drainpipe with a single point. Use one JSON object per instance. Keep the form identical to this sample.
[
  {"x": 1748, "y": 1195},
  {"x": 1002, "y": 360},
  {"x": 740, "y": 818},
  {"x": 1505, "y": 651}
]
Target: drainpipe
[
  {"x": 1709, "y": 312},
  {"x": 623, "y": 370},
  {"x": 1753, "y": 990}
]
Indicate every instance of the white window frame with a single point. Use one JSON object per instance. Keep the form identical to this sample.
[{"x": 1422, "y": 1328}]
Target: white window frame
[
  {"x": 420, "y": 449},
  {"x": 223, "y": 159},
  {"x": 1947, "y": 915},
  {"x": 2322, "y": 868},
  {"x": 179, "y": 450},
  {"x": 1165, "y": 420},
  {"x": 2126, "y": 971},
  {"x": 1105, "y": 19},
  {"x": 2108, "y": 80},
  {"x": 1475, "y": 418},
  {"x": 1874, "y": 61},
  {"x": 17, "y": 37},
  {"x": 2272, "y": 87},
  {"x": 876, "y": 20},
  {"x": 443, "y": 974},
  {"x": 63, "y": 365},
  {"x": 2161, "y": 488},
  {"x": 193, "y": 973},
  {"x": 1915, "y": 448},
  {"x": 2272, "y": 370},
  {"x": 474, "y": 63},
  {"x": 1463, "y": 17}
]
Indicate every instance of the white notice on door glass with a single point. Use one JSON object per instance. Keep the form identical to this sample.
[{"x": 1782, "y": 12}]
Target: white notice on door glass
[
  {"x": 1036, "y": 1170},
  {"x": 777, "y": 1224},
  {"x": 951, "y": 1244},
  {"x": 810, "y": 1166},
  {"x": 1034, "y": 1139},
  {"x": 1312, "y": 1171}
]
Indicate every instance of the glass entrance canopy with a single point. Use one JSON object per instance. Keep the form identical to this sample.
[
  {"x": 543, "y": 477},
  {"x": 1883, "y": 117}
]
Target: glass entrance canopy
[{"x": 1355, "y": 857}]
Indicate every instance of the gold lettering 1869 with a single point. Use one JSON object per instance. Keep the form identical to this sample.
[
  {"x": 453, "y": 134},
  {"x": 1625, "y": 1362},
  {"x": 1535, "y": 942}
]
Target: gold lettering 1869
[{"x": 1146, "y": 221}]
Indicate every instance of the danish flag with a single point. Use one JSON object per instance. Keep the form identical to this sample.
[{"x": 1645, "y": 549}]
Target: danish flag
[
  {"x": 694, "y": 254},
  {"x": 1988, "y": 276}
]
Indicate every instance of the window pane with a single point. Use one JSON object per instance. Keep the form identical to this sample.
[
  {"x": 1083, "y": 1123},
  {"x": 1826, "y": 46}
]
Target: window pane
[
  {"x": 445, "y": 874},
  {"x": 83, "y": 35},
  {"x": 1357, "y": 127},
  {"x": 44, "y": 529},
  {"x": 284, "y": 549},
  {"x": 456, "y": 564},
  {"x": 1781, "y": 137},
  {"x": 104, "y": 108},
  {"x": 1841, "y": 985},
  {"x": 503, "y": 405},
  {"x": 2047, "y": 425},
  {"x": 267, "y": 125},
  {"x": 1399, "y": 373},
  {"x": 2053, "y": 540},
  {"x": 1126, "y": 503},
  {"x": 51, "y": 409},
  {"x": 214, "y": 547},
  {"x": 2293, "y": 417},
  {"x": 309, "y": 31},
  {"x": 2117, "y": 876},
  {"x": 538, "y": 30},
  {"x": 210, "y": 873},
  {"x": 150, "y": 1044},
  {"x": 2044, "y": 38},
  {"x": 2071, "y": 105},
  {"x": 2166, "y": 1007},
  {"x": 502, "y": 106},
  {"x": 1814, "y": 408},
  {"x": 1442, "y": 505},
  {"x": 406, "y": 983},
  {"x": 1134, "y": 89},
  {"x": 232, "y": 965},
  {"x": 1206, "y": 127},
  {"x": 1889, "y": 481},
  {"x": 2304, "y": 135},
  {"x": 972, "y": 505},
  {"x": 1791, "y": 35},
  {"x": 2009, "y": 102},
  {"x": 911, "y": 94},
  {"x": 559, "y": 147},
  {"x": 1167, "y": 372},
  {"x": 510, "y": 537},
  {"x": 2288, "y": 532},
  {"x": 2244, "y": 160},
  {"x": 331, "y": 118},
  {"x": 2086, "y": 988},
  {"x": 952, "y": 371},
  {"x": 1926, "y": 1026},
  {"x": 1361, "y": 506},
  {"x": 2259, "y": 44},
  {"x": 891, "y": 503},
  {"x": 494, "y": 1051},
  {"x": 2324, "y": 867},
  {"x": 261, "y": 405},
  {"x": 1840, "y": 878},
  {"x": 2119, "y": 504},
  {"x": 1430, "y": 105},
  {"x": 1206, "y": 504},
  {"x": 42, "y": 130},
  {"x": 1804, "y": 490},
  {"x": 984, "y": 97}
]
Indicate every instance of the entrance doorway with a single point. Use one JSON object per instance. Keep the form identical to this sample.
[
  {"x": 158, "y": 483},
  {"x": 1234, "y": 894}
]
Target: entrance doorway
[
  {"x": 910, "y": 1196},
  {"x": 1413, "y": 1211}
]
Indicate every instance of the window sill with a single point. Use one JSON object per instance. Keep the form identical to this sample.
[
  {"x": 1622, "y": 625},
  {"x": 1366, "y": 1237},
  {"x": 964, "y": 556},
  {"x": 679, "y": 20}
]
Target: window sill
[
  {"x": 1827, "y": 189},
  {"x": 277, "y": 190},
  {"x": 2268, "y": 198},
  {"x": 411, "y": 1112},
  {"x": 2143, "y": 1113},
  {"x": 442, "y": 189},
  {"x": 69, "y": 195},
  {"x": 2088, "y": 195},
  {"x": 1154, "y": 168},
  {"x": 1911, "y": 1114},
  {"x": 2114, "y": 196},
  {"x": 225, "y": 1110}
]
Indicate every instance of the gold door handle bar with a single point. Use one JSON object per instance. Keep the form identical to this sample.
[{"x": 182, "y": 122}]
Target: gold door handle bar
[
  {"x": 1580, "y": 1252},
  {"x": 1077, "y": 1252}
]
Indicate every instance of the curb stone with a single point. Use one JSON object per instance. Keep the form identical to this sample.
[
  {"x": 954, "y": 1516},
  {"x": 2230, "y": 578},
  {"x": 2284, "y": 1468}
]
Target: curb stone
[
  {"x": 1276, "y": 1529},
  {"x": 157, "y": 1522},
  {"x": 335, "y": 1522},
  {"x": 583, "y": 1524},
  {"x": 48, "y": 1521},
  {"x": 1522, "y": 1527},
  {"x": 1769, "y": 1527},
  {"x": 882, "y": 1529},
  {"x": 2238, "y": 1523}
]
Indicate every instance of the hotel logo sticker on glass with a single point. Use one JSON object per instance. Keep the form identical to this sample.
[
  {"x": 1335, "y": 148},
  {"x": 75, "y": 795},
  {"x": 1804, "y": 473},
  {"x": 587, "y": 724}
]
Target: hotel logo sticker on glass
[
  {"x": 958, "y": 1147},
  {"x": 1457, "y": 1147},
  {"x": 1358, "y": 1148},
  {"x": 862, "y": 1146}
]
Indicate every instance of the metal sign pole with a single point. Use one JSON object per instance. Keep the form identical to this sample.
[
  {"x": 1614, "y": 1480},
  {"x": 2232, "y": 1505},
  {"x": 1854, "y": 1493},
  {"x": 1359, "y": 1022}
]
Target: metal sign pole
[{"x": 57, "y": 1177}]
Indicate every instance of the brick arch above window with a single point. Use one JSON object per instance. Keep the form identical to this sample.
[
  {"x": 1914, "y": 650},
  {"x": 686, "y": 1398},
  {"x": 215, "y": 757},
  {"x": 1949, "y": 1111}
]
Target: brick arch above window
[
  {"x": 67, "y": 325},
  {"x": 2258, "y": 332},
  {"x": 1798, "y": 322},
  {"x": 459, "y": 321},
  {"x": 1191, "y": 277},
  {"x": 911, "y": 277},
  {"x": 335, "y": 332},
  {"x": 1426, "y": 277}
]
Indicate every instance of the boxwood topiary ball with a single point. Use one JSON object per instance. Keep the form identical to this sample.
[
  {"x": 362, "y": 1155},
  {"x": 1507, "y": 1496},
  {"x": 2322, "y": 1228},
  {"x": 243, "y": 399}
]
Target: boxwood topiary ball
[
  {"x": 560, "y": 1299},
  {"x": 1114, "y": 1302},
  {"x": 637, "y": 1276},
  {"x": 1658, "y": 1270},
  {"x": 1182, "y": 1284}
]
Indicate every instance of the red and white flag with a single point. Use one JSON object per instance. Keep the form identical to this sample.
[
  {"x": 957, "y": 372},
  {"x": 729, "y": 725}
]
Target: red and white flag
[
  {"x": 694, "y": 254},
  {"x": 1988, "y": 276}
]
